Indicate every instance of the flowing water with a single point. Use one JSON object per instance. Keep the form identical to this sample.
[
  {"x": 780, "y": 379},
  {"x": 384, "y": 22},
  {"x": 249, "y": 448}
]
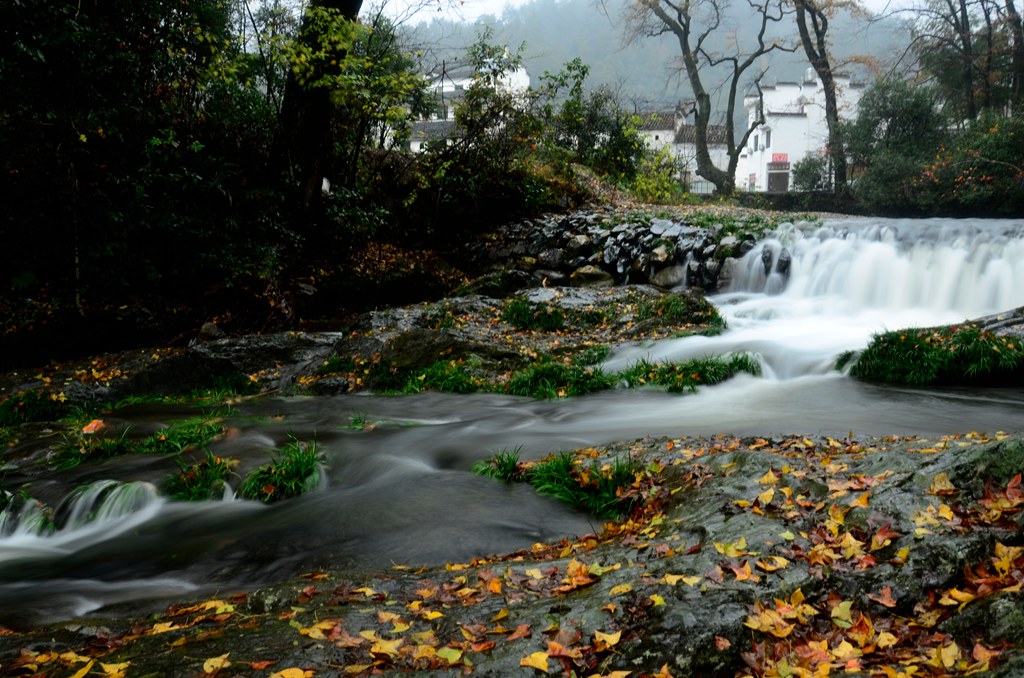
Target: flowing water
[{"x": 402, "y": 491}]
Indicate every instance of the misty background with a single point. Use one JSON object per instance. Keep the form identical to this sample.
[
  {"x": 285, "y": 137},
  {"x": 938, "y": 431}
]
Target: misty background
[{"x": 645, "y": 73}]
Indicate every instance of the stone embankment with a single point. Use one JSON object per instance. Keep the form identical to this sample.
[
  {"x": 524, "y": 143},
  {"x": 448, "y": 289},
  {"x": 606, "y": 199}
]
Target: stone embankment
[{"x": 588, "y": 248}]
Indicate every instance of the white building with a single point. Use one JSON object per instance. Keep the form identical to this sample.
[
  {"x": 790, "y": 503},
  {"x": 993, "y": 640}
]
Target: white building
[
  {"x": 671, "y": 130},
  {"x": 449, "y": 86},
  {"x": 794, "y": 127}
]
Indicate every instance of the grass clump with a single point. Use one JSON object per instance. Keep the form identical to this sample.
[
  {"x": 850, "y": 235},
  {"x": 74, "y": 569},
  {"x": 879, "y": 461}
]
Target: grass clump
[
  {"x": 688, "y": 375},
  {"x": 502, "y": 466},
  {"x": 600, "y": 490},
  {"x": 552, "y": 379},
  {"x": 951, "y": 354},
  {"x": 335, "y": 364},
  {"x": 448, "y": 376},
  {"x": 88, "y": 444},
  {"x": 591, "y": 355},
  {"x": 681, "y": 309},
  {"x": 525, "y": 315},
  {"x": 32, "y": 405},
  {"x": 199, "y": 482},
  {"x": 295, "y": 471}
]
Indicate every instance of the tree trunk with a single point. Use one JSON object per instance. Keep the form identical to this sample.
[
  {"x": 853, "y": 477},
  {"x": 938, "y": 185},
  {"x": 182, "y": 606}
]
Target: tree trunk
[
  {"x": 816, "y": 48},
  {"x": 304, "y": 145},
  {"x": 1017, "y": 57},
  {"x": 963, "y": 23}
]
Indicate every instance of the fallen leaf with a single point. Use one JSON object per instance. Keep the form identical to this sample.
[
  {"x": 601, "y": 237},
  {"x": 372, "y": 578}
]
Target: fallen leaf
[
  {"x": 537, "y": 660},
  {"x": 603, "y": 641},
  {"x": 884, "y": 597},
  {"x": 215, "y": 664}
]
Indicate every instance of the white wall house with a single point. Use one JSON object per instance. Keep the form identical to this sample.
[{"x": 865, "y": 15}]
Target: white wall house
[
  {"x": 449, "y": 86},
  {"x": 671, "y": 130},
  {"x": 794, "y": 128}
]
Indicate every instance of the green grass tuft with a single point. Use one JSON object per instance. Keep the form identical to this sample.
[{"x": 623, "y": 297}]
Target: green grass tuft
[
  {"x": 525, "y": 315},
  {"x": 956, "y": 354},
  {"x": 198, "y": 482},
  {"x": 502, "y": 466},
  {"x": 295, "y": 471},
  {"x": 551, "y": 379},
  {"x": 688, "y": 375}
]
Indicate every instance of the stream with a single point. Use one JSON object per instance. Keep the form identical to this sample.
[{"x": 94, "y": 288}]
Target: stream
[{"x": 402, "y": 493}]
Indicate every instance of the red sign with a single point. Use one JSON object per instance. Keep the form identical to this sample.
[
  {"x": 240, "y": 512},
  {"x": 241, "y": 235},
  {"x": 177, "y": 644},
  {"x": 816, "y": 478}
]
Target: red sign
[{"x": 780, "y": 157}]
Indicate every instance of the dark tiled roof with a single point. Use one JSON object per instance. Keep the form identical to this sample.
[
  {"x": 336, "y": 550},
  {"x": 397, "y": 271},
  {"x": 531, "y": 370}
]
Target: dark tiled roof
[
  {"x": 653, "y": 121},
  {"x": 717, "y": 135},
  {"x": 433, "y": 129}
]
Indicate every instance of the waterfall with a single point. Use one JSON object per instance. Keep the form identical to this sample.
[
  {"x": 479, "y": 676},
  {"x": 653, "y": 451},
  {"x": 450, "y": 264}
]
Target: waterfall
[
  {"x": 944, "y": 267},
  {"x": 94, "y": 512},
  {"x": 809, "y": 292}
]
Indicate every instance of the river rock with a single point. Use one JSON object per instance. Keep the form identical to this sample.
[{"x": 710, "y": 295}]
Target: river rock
[
  {"x": 591, "y": 276},
  {"x": 669, "y": 277}
]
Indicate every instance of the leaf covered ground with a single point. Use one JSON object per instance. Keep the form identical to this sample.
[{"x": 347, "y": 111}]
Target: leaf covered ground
[{"x": 791, "y": 556}]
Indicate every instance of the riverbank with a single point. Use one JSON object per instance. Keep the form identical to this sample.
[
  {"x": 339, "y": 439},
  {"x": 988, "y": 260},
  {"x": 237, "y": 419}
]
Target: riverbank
[{"x": 770, "y": 554}]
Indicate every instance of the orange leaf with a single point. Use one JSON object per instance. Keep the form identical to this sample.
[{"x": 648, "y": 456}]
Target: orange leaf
[{"x": 884, "y": 597}]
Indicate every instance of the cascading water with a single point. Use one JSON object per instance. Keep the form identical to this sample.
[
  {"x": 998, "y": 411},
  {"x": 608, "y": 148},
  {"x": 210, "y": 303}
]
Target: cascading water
[
  {"x": 797, "y": 300},
  {"x": 808, "y": 293}
]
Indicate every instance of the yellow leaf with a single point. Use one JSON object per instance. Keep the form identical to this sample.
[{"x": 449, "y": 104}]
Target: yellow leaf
[
  {"x": 214, "y": 664},
  {"x": 81, "y": 673},
  {"x": 945, "y": 512},
  {"x": 537, "y": 660},
  {"x": 845, "y": 650},
  {"x": 658, "y": 600},
  {"x": 941, "y": 484},
  {"x": 673, "y": 579},
  {"x": 766, "y": 496},
  {"x": 603, "y": 641},
  {"x": 163, "y": 627},
  {"x": 352, "y": 668},
  {"x": 841, "y": 614},
  {"x": 621, "y": 588},
  {"x": 861, "y": 501},
  {"x": 430, "y": 615},
  {"x": 450, "y": 655},
  {"x": 732, "y": 549},
  {"x": 768, "y": 478},
  {"x": 772, "y": 563},
  {"x": 115, "y": 670},
  {"x": 502, "y": 613},
  {"x": 886, "y": 639},
  {"x": 366, "y": 591},
  {"x": 387, "y": 647},
  {"x": 300, "y": 673}
]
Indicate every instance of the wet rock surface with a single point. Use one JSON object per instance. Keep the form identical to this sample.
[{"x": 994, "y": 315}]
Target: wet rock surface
[{"x": 884, "y": 552}]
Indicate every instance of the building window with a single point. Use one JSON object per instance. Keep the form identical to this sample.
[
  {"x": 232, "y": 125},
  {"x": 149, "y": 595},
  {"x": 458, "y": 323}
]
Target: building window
[
  {"x": 756, "y": 139},
  {"x": 767, "y": 138}
]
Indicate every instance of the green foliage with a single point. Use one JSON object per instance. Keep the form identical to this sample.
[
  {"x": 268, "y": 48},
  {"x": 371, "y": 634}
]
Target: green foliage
[
  {"x": 956, "y": 354},
  {"x": 595, "y": 489},
  {"x": 336, "y": 363},
  {"x": 591, "y": 355},
  {"x": 502, "y": 466},
  {"x": 295, "y": 471},
  {"x": 31, "y": 405},
  {"x": 448, "y": 376},
  {"x": 526, "y": 315},
  {"x": 898, "y": 128},
  {"x": 657, "y": 178},
  {"x": 682, "y": 309},
  {"x": 552, "y": 379},
  {"x": 79, "y": 447},
  {"x": 200, "y": 481},
  {"x": 812, "y": 173},
  {"x": 687, "y": 376},
  {"x": 981, "y": 170}
]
